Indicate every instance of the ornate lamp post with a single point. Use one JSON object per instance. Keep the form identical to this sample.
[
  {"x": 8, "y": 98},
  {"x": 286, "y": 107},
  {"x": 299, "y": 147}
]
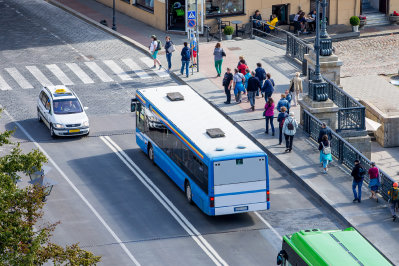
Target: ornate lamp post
[{"x": 113, "y": 16}]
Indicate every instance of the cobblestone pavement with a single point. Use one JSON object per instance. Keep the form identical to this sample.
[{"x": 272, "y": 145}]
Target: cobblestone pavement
[{"x": 374, "y": 55}]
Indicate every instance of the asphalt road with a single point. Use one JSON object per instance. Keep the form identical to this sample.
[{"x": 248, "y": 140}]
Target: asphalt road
[{"x": 110, "y": 198}]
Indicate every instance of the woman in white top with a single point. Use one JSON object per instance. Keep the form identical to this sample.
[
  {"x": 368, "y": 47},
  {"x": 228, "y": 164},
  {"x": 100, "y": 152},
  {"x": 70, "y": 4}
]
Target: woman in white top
[{"x": 154, "y": 51}]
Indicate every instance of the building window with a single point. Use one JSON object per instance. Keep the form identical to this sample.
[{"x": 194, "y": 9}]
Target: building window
[
  {"x": 224, "y": 8},
  {"x": 146, "y": 4},
  {"x": 281, "y": 11},
  {"x": 126, "y": 1}
]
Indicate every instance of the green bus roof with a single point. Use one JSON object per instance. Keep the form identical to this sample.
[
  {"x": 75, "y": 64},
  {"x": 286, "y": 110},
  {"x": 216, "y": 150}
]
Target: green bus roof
[{"x": 337, "y": 247}]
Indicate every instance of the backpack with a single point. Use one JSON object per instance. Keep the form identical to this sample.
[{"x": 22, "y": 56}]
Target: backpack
[
  {"x": 264, "y": 75},
  {"x": 326, "y": 150},
  {"x": 394, "y": 194},
  {"x": 187, "y": 54},
  {"x": 159, "y": 46},
  {"x": 362, "y": 172},
  {"x": 290, "y": 125}
]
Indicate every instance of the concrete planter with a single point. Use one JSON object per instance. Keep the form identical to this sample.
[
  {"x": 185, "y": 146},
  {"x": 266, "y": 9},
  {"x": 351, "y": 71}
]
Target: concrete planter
[
  {"x": 355, "y": 28},
  {"x": 394, "y": 19},
  {"x": 229, "y": 37}
]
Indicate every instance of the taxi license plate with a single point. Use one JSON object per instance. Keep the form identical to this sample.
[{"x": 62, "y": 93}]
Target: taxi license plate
[
  {"x": 240, "y": 209},
  {"x": 74, "y": 130}
]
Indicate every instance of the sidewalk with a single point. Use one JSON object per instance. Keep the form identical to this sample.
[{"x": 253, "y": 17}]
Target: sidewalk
[{"x": 370, "y": 218}]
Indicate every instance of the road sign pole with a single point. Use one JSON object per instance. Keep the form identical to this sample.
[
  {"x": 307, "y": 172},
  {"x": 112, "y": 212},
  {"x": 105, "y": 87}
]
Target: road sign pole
[{"x": 197, "y": 32}]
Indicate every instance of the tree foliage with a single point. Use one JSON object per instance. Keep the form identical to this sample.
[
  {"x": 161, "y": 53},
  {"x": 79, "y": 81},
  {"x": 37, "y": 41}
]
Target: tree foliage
[{"x": 24, "y": 236}]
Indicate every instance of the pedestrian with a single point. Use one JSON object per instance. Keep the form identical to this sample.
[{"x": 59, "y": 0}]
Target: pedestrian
[
  {"x": 241, "y": 57},
  {"x": 247, "y": 76},
  {"x": 155, "y": 46},
  {"x": 227, "y": 83},
  {"x": 324, "y": 130},
  {"x": 252, "y": 88},
  {"x": 296, "y": 87},
  {"x": 268, "y": 87},
  {"x": 169, "y": 48},
  {"x": 242, "y": 66},
  {"x": 288, "y": 96},
  {"x": 393, "y": 194},
  {"x": 218, "y": 54},
  {"x": 185, "y": 59},
  {"x": 283, "y": 102},
  {"x": 358, "y": 175},
  {"x": 260, "y": 73},
  {"x": 269, "y": 115},
  {"x": 325, "y": 152},
  {"x": 289, "y": 130},
  {"x": 374, "y": 183},
  {"x": 282, "y": 115},
  {"x": 194, "y": 49},
  {"x": 238, "y": 80}
]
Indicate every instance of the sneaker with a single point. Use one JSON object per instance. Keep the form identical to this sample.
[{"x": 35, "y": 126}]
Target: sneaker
[
  {"x": 266, "y": 132},
  {"x": 154, "y": 67},
  {"x": 394, "y": 218},
  {"x": 160, "y": 66},
  {"x": 253, "y": 108},
  {"x": 273, "y": 134},
  {"x": 358, "y": 200},
  {"x": 226, "y": 102},
  {"x": 354, "y": 200}
]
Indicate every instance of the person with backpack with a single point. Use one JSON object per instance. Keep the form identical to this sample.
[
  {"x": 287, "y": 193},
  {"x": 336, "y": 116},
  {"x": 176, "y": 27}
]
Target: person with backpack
[
  {"x": 283, "y": 102},
  {"x": 155, "y": 46},
  {"x": 269, "y": 115},
  {"x": 296, "y": 87},
  {"x": 281, "y": 119},
  {"x": 289, "y": 130},
  {"x": 374, "y": 183},
  {"x": 268, "y": 87},
  {"x": 185, "y": 59},
  {"x": 325, "y": 152},
  {"x": 218, "y": 54},
  {"x": 238, "y": 80},
  {"x": 260, "y": 73},
  {"x": 393, "y": 194},
  {"x": 358, "y": 176},
  {"x": 169, "y": 48},
  {"x": 227, "y": 84}
]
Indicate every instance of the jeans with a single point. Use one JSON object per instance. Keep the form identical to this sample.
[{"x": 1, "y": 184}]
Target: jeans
[
  {"x": 184, "y": 64},
  {"x": 288, "y": 141},
  {"x": 251, "y": 97},
  {"x": 392, "y": 207},
  {"x": 238, "y": 96},
  {"x": 357, "y": 184},
  {"x": 269, "y": 118},
  {"x": 261, "y": 85},
  {"x": 169, "y": 59},
  {"x": 228, "y": 93},
  {"x": 218, "y": 66},
  {"x": 280, "y": 135},
  {"x": 267, "y": 95}
]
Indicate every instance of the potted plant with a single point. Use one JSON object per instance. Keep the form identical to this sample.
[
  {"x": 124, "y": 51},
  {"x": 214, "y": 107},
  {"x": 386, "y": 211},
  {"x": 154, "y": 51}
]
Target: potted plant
[
  {"x": 394, "y": 18},
  {"x": 363, "y": 21},
  {"x": 355, "y": 21},
  {"x": 228, "y": 31}
]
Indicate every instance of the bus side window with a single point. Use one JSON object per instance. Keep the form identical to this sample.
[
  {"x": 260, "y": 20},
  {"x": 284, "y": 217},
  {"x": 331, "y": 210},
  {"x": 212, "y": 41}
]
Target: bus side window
[{"x": 140, "y": 119}]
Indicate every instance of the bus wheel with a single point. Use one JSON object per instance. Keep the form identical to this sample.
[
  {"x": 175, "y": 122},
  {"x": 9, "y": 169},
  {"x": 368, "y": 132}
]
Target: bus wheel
[
  {"x": 189, "y": 194},
  {"x": 150, "y": 152}
]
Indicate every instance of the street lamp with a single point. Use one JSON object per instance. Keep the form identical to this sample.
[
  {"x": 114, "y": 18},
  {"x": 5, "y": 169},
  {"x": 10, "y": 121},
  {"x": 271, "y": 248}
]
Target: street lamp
[
  {"x": 113, "y": 16},
  {"x": 38, "y": 178}
]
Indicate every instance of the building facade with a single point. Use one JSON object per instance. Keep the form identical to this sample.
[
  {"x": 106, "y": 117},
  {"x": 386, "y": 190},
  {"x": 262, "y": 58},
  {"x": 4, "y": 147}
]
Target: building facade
[{"x": 170, "y": 15}]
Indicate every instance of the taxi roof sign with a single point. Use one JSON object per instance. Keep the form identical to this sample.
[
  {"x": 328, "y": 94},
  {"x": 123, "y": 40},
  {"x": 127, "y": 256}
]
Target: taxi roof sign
[{"x": 60, "y": 91}]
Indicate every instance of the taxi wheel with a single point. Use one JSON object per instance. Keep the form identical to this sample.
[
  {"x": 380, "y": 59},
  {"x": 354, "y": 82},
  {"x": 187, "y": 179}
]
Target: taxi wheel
[
  {"x": 52, "y": 134},
  {"x": 39, "y": 118}
]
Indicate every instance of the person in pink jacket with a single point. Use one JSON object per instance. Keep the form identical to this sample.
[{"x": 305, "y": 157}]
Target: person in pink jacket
[{"x": 269, "y": 115}]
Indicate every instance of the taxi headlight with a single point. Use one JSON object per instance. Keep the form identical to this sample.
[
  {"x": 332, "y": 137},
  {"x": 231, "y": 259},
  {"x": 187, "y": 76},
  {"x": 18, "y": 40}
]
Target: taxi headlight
[
  {"x": 58, "y": 125},
  {"x": 85, "y": 123}
]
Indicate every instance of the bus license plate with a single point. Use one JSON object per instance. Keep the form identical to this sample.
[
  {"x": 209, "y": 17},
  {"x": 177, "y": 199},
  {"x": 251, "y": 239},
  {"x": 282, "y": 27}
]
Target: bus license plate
[
  {"x": 74, "y": 130},
  {"x": 240, "y": 209}
]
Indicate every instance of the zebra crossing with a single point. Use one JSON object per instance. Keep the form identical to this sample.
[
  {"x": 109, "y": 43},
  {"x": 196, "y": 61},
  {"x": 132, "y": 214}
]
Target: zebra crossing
[{"x": 34, "y": 76}]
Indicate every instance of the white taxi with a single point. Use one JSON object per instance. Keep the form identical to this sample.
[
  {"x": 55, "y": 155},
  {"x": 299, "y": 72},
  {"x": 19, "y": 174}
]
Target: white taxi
[{"x": 62, "y": 112}]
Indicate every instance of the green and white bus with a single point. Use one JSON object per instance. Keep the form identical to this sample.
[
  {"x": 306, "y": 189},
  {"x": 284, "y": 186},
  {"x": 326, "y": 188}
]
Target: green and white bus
[{"x": 336, "y": 247}]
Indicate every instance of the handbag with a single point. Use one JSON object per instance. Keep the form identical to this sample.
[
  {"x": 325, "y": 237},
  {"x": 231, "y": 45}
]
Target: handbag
[
  {"x": 223, "y": 53},
  {"x": 264, "y": 112},
  {"x": 171, "y": 48}
]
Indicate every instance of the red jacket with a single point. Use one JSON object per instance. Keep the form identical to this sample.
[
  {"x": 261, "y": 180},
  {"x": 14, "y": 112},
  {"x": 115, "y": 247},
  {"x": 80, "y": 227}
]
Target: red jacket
[{"x": 241, "y": 68}]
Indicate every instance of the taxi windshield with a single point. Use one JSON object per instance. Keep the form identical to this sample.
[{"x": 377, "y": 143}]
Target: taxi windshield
[{"x": 67, "y": 106}]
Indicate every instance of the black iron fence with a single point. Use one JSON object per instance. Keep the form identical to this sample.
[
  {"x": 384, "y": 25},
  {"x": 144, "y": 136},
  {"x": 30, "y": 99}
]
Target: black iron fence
[
  {"x": 297, "y": 48},
  {"x": 345, "y": 152}
]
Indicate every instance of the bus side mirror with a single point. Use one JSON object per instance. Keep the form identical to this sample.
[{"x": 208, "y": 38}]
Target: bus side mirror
[{"x": 133, "y": 105}]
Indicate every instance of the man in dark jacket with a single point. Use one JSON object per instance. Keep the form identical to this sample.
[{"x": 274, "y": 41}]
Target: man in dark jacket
[
  {"x": 252, "y": 88},
  {"x": 358, "y": 175},
  {"x": 185, "y": 59},
  {"x": 324, "y": 131},
  {"x": 227, "y": 84},
  {"x": 268, "y": 87},
  {"x": 260, "y": 73}
]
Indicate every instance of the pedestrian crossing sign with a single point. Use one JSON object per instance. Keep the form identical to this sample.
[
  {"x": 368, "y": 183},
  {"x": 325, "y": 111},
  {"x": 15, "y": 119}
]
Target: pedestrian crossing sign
[{"x": 191, "y": 15}]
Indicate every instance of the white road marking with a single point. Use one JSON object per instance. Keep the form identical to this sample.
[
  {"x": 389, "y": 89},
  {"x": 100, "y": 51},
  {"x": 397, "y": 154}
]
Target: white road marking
[
  {"x": 19, "y": 78},
  {"x": 269, "y": 225},
  {"x": 80, "y": 73},
  {"x": 39, "y": 76},
  {"x": 59, "y": 74},
  {"x": 117, "y": 70},
  {"x": 3, "y": 85},
  {"x": 117, "y": 239},
  {"x": 179, "y": 217},
  {"x": 150, "y": 63},
  {"x": 99, "y": 72},
  {"x": 136, "y": 68}
]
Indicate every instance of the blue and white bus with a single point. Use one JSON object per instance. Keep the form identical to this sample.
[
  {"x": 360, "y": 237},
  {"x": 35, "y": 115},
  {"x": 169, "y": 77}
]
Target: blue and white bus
[{"x": 219, "y": 168}]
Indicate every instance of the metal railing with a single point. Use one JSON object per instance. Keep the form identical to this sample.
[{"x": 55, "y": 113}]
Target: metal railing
[
  {"x": 345, "y": 152},
  {"x": 297, "y": 48}
]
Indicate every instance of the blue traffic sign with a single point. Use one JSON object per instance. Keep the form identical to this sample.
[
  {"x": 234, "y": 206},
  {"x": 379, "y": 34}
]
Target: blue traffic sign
[
  {"x": 191, "y": 15},
  {"x": 191, "y": 23}
]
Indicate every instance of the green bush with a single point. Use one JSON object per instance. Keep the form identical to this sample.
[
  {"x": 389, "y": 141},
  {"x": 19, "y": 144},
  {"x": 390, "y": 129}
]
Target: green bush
[
  {"x": 354, "y": 21},
  {"x": 228, "y": 30}
]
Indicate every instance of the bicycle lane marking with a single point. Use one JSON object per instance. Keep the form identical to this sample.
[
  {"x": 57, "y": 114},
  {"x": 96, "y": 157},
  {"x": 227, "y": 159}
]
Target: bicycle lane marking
[
  {"x": 169, "y": 206},
  {"x": 104, "y": 223}
]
